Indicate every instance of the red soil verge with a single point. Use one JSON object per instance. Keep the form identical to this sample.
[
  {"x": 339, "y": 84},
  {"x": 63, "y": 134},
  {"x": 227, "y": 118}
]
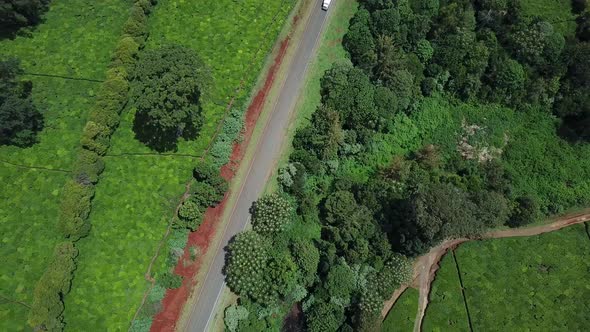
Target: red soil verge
[{"x": 175, "y": 299}]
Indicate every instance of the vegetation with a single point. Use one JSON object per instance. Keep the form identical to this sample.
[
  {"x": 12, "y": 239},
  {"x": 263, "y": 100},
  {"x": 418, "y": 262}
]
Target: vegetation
[
  {"x": 19, "y": 118},
  {"x": 21, "y": 13},
  {"x": 448, "y": 123},
  {"x": 401, "y": 317},
  {"x": 134, "y": 201},
  {"x": 166, "y": 89},
  {"x": 544, "y": 277},
  {"x": 38, "y": 173}
]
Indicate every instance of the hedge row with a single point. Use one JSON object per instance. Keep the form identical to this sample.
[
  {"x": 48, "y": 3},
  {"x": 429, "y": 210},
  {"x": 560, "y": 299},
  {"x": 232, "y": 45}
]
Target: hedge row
[{"x": 46, "y": 313}]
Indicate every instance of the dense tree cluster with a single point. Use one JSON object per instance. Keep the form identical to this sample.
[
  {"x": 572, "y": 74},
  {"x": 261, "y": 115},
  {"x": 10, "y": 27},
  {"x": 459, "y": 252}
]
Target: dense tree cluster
[
  {"x": 376, "y": 202},
  {"x": 271, "y": 214},
  {"x": 167, "y": 84},
  {"x": 15, "y": 14},
  {"x": 19, "y": 118}
]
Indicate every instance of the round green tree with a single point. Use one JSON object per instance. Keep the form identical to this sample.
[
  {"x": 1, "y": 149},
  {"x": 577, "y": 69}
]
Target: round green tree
[
  {"x": 167, "y": 85},
  {"x": 271, "y": 214}
]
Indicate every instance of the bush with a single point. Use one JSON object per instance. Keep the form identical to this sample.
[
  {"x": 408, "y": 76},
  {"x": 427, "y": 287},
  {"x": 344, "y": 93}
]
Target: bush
[
  {"x": 125, "y": 53},
  {"x": 88, "y": 167},
  {"x": 47, "y": 307},
  {"x": 74, "y": 209},
  {"x": 189, "y": 216},
  {"x": 95, "y": 137},
  {"x": 170, "y": 280},
  {"x": 205, "y": 195},
  {"x": 141, "y": 325},
  {"x": 233, "y": 315}
]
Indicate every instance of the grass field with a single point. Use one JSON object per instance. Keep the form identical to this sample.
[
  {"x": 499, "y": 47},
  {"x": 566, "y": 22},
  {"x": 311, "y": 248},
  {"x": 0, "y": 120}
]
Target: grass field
[
  {"x": 403, "y": 314},
  {"x": 538, "y": 283},
  {"x": 74, "y": 41},
  {"x": 136, "y": 195},
  {"x": 558, "y": 12},
  {"x": 446, "y": 309}
]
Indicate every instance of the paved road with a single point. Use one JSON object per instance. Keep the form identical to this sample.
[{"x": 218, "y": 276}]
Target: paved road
[{"x": 266, "y": 154}]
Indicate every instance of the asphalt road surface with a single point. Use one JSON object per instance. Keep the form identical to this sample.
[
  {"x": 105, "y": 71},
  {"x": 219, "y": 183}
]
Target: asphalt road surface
[{"x": 267, "y": 152}]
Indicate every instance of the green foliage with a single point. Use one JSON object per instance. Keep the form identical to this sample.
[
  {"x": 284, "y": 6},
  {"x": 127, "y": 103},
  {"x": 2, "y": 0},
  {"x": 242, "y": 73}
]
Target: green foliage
[
  {"x": 323, "y": 316},
  {"x": 126, "y": 52},
  {"x": 245, "y": 266},
  {"x": 271, "y": 214},
  {"x": 233, "y": 315},
  {"x": 189, "y": 215},
  {"x": 88, "y": 167},
  {"x": 307, "y": 258},
  {"x": 46, "y": 312},
  {"x": 166, "y": 89},
  {"x": 19, "y": 118},
  {"x": 169, "y": 280},
  {"x": 74, "y": 209},
  {"x": 15, "y": 14},
  {"x": 340, "y": 283},
  {"x": 141, "y": 325}
]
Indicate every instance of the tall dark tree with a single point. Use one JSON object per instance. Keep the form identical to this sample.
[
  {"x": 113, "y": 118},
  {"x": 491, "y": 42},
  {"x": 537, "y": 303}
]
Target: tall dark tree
[
  {"x": 19, "y": 118},
  {"x": 167, "y": 86},
  {"x": 15, "y": 14}
]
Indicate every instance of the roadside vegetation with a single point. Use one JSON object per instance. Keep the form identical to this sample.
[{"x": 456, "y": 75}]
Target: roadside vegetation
[{"x": 455, "y": 117}]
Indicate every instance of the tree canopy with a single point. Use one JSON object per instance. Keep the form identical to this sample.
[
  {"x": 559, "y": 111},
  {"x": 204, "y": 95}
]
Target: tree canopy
[{"x": 167, "y": 86}]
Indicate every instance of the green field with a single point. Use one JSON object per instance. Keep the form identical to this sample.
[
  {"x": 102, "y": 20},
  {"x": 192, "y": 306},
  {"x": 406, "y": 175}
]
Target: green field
[
  {"x": 74, "y": 41},
  {"x": 137, "y": 194},
  {"x": 557, "y": 12},
  {"x": 446, "y": 309},
  {"x": 537, "y": 283},
  {"x": 403, "y": 314}
]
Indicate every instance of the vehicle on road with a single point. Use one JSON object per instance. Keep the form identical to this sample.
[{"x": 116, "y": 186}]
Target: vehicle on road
[{"x": 326, "y": 4}]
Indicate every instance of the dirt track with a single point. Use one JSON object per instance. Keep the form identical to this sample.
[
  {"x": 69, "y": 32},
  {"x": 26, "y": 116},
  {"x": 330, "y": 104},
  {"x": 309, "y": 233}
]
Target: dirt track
[{"x": 426, "y": 265}]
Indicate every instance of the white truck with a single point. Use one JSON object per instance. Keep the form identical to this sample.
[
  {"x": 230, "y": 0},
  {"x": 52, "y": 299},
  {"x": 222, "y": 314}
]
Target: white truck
[{"x": 325, "y": 4}]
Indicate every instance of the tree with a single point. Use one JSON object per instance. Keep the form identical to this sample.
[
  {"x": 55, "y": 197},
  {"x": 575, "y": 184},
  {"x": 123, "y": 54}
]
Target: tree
[
  {"x": 307, "y": 258},
  {"x": 323, "y": 317},
  {"x": 340, "y": 283},
  {"x": 282, "y": 273},
  {"x": 271, "y": 214},
  {"x": 526, "y": 212},
  {"x": 15, "y": 14},
  {"x": 493, "y": 209},
  {"x": 246, "y": 266},
  {"x": 167, "y": 84},
  {"x": 19, "y": 118},
  {"x": 358, "y": 41}
]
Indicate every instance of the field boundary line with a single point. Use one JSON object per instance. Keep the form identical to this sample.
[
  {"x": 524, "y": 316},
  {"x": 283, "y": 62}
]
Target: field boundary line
[
  {"x": 462, "y": 291},
  {"x": 151, "y": 154},
  {"x": 36, "y": 167},
  {"x": 65, "y": 77},
  {"x": 15, "y": 301}
]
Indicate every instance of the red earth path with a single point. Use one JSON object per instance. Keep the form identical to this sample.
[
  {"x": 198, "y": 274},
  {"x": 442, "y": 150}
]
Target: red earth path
[{"x": 175, "y": 299}]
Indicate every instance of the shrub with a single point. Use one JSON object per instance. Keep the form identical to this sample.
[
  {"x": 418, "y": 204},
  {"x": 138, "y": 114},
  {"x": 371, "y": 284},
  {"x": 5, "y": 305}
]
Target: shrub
[
  {"x": 157, "y": 293},
  {"x": 145, "y": 5},
  {"x": 170, "y": 280},
  {"x": 205, "y": 195},
  {"x": 141, "y": 325},
  {"x": 95, "y": 137},
  {"x": 47, "y": 307},
  {"x": 74, "y": 209},
  {"x": 208, "y": 173},
  {"x": 221, "y": 150},
  {"x": 88, "y": 167},
  {"x": 125, "y": 52},
  {"x": 189, "y": 216}
]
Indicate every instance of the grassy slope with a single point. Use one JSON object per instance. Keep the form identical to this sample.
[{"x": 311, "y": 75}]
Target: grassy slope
[
  {"x": 137, "y": 194},
  {"x": 74, "y": 41},
  {"x": 403, "y": 314},
  {"x": 544, "y": 286},
  {"x": 540, "y": 163},
  {"x": 446, "y": 310},
  {"x": 558, "y": 12}
]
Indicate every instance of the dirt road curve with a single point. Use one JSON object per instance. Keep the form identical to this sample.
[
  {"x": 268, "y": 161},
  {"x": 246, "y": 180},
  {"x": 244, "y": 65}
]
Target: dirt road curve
[
  {"x": 263, "y": 161},
  {"x": 426, "y": 266}
]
